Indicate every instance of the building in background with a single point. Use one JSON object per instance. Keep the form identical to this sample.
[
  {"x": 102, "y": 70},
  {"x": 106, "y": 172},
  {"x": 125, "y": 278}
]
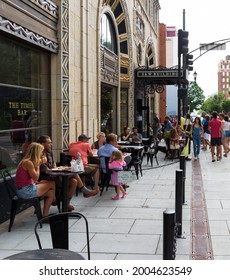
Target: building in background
[
  {"x": 224, "y": 77},
  {"x": 67, "y": 68},
  {"x": 171, "y": 62}
]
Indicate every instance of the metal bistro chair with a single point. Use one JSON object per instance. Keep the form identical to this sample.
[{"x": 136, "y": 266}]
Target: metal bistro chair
[
  {"x": 59, "y": 229},
  {"x": 136, "y": 161},
  {"x": 152, "y": 152},
  {"x": 105, "y": 175},
  {"x": 16, "y": 201}
]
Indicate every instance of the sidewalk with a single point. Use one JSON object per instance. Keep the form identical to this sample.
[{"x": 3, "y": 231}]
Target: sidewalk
[{"x": 132, "y": 228}]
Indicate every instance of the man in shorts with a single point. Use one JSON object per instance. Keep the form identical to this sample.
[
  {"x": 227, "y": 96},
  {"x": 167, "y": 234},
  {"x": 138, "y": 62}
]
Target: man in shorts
[
  {"x": 74, "y": 181},
  {"x": 83, "y": 147},
  {"x": 215, "y": 128}
]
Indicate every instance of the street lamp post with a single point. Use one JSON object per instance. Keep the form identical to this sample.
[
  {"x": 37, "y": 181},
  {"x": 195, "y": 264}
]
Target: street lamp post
[{"x": 195, "y": 76}]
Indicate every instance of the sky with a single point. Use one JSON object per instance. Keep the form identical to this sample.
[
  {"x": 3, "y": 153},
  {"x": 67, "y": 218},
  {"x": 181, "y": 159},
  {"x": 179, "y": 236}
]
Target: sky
[{"x": 206, "y": 21}]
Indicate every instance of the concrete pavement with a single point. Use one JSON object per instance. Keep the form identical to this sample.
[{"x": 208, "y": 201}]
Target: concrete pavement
[{"x": 132, "y": 228}]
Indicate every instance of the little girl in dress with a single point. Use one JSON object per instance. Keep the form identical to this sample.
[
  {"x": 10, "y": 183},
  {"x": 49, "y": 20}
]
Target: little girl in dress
[{"x": 116, "y": 163}]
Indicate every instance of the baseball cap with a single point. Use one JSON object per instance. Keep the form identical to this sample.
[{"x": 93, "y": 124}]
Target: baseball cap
[{"x": 83, "y": 137}]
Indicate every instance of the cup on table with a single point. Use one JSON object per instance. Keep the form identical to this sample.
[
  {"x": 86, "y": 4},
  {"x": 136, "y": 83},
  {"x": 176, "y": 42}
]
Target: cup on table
[{"x": 94, "y": 151}]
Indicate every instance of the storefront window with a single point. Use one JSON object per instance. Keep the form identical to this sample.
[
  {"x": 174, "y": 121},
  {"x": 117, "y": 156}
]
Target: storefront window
[{"x": 25, "y": 99}]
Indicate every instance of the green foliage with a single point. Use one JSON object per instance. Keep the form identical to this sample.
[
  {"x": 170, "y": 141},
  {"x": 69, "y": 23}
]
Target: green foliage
[
  {"x": 195, "y": 96},
  {"x": 216, "y": 103}
]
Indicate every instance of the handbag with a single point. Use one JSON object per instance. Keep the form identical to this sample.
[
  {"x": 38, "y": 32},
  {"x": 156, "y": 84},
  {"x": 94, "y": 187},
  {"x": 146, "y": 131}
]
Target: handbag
[
  {"x": 77, "y": 165},
  {"x": 125, "y": 176},
  {"x": 186, "y": 149}
]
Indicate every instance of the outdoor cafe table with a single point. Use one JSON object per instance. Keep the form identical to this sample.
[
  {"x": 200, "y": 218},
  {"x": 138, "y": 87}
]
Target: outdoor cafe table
[
  {"x": 46, "y": 254},
  {"x": 65, "y": 174}
]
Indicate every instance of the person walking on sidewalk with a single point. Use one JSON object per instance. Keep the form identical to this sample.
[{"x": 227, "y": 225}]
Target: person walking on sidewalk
[
  {"x": 74, "y": 181},
  {"x": 197, "y": 134},
  {"x": 206, "y": 133},
  {"x": 215, "y": 128},
  {"x": 116, "y": 163}
]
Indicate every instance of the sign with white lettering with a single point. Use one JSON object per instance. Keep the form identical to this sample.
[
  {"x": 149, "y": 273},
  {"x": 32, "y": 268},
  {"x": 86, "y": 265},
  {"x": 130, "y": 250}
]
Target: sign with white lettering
[{"x": 158, "y": 73}]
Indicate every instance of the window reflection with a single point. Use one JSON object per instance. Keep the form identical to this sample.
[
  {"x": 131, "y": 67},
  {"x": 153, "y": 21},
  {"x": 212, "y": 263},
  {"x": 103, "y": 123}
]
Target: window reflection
[
  {"x": 108, "y": 34},
  {"x": 25, "y": 99}
]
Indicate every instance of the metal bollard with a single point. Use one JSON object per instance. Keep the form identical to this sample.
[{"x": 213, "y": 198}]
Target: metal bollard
[
  {"x": 183, "y": 167},
  {"x": 179, "y": 202},
  {"x": 169, "y": 240},
  {"x": 62, "y": 158}
]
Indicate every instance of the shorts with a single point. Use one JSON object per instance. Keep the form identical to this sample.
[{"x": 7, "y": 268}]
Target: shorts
[
  {"x": 207, "y": 136},
  {"x": 91, "y": 169},
  {"x": 227, "y": 133},
  {"x": 216, "y": 142},
  {"x": 27, "y": 192}
]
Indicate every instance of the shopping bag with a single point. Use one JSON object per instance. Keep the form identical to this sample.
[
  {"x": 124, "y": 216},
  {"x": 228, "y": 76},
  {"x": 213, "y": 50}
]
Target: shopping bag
[
  {"x": 125, "y": 176},
  {"x": 186, "y": 149}
]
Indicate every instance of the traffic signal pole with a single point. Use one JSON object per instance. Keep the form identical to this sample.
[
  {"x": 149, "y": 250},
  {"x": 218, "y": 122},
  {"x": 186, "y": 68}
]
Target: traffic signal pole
[{"x": 179, "y": 85}]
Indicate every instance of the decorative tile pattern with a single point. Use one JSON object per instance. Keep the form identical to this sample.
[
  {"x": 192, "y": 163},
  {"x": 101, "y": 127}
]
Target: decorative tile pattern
[
  {"x": 65, "y": 72},
  {"x": 25, "y": 34}
]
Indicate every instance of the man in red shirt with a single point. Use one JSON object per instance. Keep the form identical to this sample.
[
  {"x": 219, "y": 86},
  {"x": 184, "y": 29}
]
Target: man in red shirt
[
  {"x": 83, "y": 147},
  {"x": 215, "y": 128}
]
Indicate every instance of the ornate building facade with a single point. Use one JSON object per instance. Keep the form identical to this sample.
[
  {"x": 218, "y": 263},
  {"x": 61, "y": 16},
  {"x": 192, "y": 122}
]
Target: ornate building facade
[{"x": 68, "y": 68}]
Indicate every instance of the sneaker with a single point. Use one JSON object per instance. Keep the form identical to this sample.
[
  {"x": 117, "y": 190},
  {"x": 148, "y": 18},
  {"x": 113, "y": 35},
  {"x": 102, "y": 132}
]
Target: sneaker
[
  {"x": 123, "y": 194},
  {"x": 117, "y": 197},
  {"x": 91, "y": 193},
  {"x": 195, "y": 158}
]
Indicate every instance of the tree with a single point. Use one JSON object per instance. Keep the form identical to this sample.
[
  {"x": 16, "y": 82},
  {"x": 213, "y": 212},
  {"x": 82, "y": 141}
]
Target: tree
[
  {"x": 216, "y": 103},
  {"x": 195, "y": 96}
]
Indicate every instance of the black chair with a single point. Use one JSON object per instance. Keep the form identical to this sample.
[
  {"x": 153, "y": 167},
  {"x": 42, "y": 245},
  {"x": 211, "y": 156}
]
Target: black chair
[
  {"x": 105, "y": 175},
  {"x": 59, "y": 229},
  {"x": 152, "y": 153},
  {"x": 16, "y": 201},
  {"x": 137, "y": 159}
]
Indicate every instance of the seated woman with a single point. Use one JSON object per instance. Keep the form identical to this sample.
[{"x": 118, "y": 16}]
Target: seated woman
[
  {"x": 126, "y": 134},
  {"x": 100, "y": 141},
  {"x": 182, "y": 137},
  {"x": 174, "y": 142},
  {"x": 27, "y": 175}
]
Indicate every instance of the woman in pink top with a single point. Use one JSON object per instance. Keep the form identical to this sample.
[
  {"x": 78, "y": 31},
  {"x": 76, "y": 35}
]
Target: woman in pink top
[
  {"x": 27, "y": 174},
  {"x": 116, "y": 163}
]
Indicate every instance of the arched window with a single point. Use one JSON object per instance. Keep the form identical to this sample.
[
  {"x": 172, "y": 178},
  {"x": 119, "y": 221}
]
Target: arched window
[{"x": 108, "y": 34}]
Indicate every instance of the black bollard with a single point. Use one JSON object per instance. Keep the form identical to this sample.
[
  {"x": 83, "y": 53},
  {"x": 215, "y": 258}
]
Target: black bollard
[
  {"x": 62, "y": 159},
  {"x": 179, "y": 201},
  {"x": 183, "y": 167},
  {"x": 169, "y": 235}
]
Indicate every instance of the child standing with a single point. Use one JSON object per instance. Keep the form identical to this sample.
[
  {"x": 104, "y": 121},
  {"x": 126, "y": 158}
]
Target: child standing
[{"x": 116, "y": 163}]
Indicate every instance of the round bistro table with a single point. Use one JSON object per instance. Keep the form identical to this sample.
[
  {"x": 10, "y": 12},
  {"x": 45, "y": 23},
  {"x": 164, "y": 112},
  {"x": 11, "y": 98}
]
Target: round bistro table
[{"x": 46, "y": 254}]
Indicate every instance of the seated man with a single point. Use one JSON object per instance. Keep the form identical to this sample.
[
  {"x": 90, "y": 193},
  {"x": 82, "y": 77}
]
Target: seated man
[
  {"x": 83, "y": 147},
  {"x": 135, "y": 136},
  {"x": 107, "y": 150},
  {"x": 74, "y": 181}
]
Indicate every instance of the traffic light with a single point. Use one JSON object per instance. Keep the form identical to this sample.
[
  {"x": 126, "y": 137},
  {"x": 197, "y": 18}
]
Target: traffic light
[
  {"x": 189, "y": 62},
  {"x": 182, "y": 42}
]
